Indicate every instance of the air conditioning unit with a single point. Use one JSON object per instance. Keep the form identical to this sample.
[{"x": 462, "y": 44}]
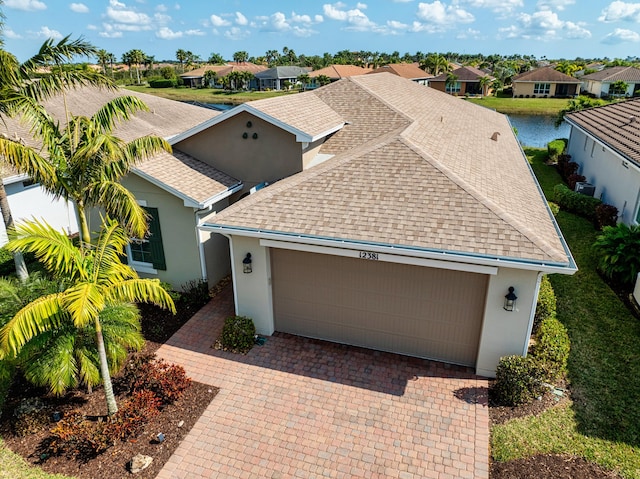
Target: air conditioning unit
[{"x": 585, "y": 188}]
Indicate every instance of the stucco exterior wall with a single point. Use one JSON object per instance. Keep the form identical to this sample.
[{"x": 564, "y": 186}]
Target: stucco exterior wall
[
  {"x": 31, "y": 202},
  {"x": 527, "y": 88},
  {"x": 252, "y": 291},
  {"x": 274, "y": 153},
  {"x": 617, "y": 182},
  {"x": 506, "y": 332},
  {"x": 178, "y": 228},
  {"x": 310, "y": 152}
]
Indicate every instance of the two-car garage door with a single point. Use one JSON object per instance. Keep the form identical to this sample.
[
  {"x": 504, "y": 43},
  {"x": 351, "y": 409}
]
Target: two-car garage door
[{"x": 414, "y": 310}]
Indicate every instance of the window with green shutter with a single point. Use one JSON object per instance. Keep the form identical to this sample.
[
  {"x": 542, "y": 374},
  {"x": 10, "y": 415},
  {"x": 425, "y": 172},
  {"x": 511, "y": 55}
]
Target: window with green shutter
[{"x": 149, "y": 250}]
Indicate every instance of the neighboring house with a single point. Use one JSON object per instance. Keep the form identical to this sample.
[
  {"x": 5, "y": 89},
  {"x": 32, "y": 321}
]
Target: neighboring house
[
  {"x": 410, "y": 71},
  {"x": 467, "y": 82},
  {"x": 605, "y": 142},
  {"x": 337, "y": 72},
  {"x": 545, "y": 82},
  {"x": 280, "y": 78},
  {"x": 599, "y": 83},
  {"x": 402, "y": 220},
  {"x": 195, "y": 78},
  {"x": 28, "y": 201},
  {"x": 175, "y": 188}
]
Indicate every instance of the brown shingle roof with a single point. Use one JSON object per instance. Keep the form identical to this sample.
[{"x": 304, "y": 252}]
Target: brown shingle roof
[
  {"x": 224, "y": 70},
  {"x": 616, "y": 125},
  {"x": 422, "y": 171},
  {"x": 335, "y": 72},
  {"x": 614, "y": 74},
  {"x": 184, "y": 176},
  {"x": 545, "y": 74},
  {"x": 405, "y": 70},
  {"x": 465, "y": 74}
]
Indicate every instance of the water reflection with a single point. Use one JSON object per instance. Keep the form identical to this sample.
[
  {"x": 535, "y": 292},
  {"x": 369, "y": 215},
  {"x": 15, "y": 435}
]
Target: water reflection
[{"x": 538, "y": 130}]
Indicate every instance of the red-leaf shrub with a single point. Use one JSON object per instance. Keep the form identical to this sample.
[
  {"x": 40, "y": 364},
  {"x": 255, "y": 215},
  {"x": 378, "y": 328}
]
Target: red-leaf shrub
[
  {"x": 133, "y": 415},
  {"x": 167, "y": 381},
  {"x": 573, "y": 179},
  {"x": 606, "y": 215}
]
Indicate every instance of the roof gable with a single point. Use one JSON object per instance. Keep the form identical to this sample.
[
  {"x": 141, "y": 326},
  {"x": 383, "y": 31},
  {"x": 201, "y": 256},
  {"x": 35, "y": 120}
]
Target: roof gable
[
  {"x": 545, "y": 74},
  {"x": 404, "y": 70},
  {"x": 466, "y": 74},
  {"x": 614, "y": 74},
  {"x": 340, "y": 71}
]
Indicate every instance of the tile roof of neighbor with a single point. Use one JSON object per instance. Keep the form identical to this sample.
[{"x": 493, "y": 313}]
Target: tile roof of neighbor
[
  {"x": 616, "y": 125},
  {"x": 404, "y": 70},
  {"x": 413, "y": 167},
  {"x": 547, "y": 74},
  {"x": 614, "y": 74},
  {"x": 223, "y": 70},
  {"x": 335, "y": 72},
  {"x": 465, "y": 74},
  {"x": 166, "y": 118}
]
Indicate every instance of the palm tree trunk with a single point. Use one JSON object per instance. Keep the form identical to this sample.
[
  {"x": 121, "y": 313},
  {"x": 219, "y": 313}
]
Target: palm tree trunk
[
  {"x": 112, "y": 406},
  {"x": 85, "y": 235},
  {"x": 18, "y": 259}
]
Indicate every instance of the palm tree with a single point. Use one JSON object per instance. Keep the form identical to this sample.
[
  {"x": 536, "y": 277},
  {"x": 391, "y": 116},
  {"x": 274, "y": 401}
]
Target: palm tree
[
  {"x": 304, "y": 79},
  {"x": 20, "y": 94},
  {"x": 435, "y": 64},
  {"x": 181, "y": 56},
  {"x": 485, "y": 81},
  {"x": 97, "y": 279},
  {"x": 323, "y": 80},
  {"x": 84, "y": 162},
  {"x": 134, "y": 57},
  {"x": 216, "y": 59},
  {"x": 103, "y": 59},
  {"x": 240, "y": 57}
]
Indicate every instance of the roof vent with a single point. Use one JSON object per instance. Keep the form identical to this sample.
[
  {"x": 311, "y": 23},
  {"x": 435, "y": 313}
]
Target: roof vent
[{"x": 495, "y": 135}]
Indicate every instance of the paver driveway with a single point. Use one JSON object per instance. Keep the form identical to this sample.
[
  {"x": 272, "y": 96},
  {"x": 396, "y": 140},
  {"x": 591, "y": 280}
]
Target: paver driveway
[{"x": 303, "y": 408}]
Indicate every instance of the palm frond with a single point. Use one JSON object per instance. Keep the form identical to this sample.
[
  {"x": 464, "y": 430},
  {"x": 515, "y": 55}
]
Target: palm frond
[
  {"x": 141, "y": 290},
  {"x": 54, "y": 365},
  {"x": 54, "y": 249},
  {"x": 52, "y": 53},
  {"x": 84, "y": 302},
  {"x": 89, "y": 365},
  {"x": 26, "y": 160},
  {"x": 39, "y": 316},
  {"x": 146, "y": 147},
  {"x": 119, "y": 109},
  {"x": 118, "y": 202}
]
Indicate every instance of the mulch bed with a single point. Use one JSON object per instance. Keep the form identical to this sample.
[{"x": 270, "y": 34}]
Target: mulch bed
[{"x": 175, "y": 420}]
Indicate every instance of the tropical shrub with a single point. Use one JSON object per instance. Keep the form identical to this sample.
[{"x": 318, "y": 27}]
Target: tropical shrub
[
  {"x": 555, "y": 148},
  {"x": 618, "y": 250},
  {"x": 238, "y": 334},
  {"x": 551, "y": 349},
  {"x": 577, "y": 203},
  {"x": 573, "y": 179},
  {"x": 555, "y": 209},
  {"x": 518, "y": 381},
  {"x": 196, "y": 293},
  {"x": 546, "y": 306},
  {"x": 606, "y": 215},
  {"x": 166, "y": 381},
  {"x": 163, "y": 83}
]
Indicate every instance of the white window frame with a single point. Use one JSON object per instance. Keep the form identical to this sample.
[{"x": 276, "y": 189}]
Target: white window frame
[
  {"x": 139, "y": 266},
  {"x": 541, "y": 88},
  {"x": 453, "y": 87}
]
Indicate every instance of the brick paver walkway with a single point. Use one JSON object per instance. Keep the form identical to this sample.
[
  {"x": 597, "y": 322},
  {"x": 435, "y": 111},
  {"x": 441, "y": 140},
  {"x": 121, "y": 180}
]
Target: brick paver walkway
[{"x": 300, "y": 408}]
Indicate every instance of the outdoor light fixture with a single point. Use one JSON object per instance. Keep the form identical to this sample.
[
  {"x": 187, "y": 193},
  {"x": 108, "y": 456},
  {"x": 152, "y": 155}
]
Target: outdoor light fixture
[
  {"x": 510, "y": 300},
  {"x": 246, "y": 264}
]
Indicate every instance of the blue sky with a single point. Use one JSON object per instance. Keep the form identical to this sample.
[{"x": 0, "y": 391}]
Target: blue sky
[{"x": 551, "y": 28}]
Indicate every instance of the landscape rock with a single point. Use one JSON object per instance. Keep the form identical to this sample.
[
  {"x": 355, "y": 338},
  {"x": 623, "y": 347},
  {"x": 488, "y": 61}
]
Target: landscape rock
[{"x": 139, "y": 463}]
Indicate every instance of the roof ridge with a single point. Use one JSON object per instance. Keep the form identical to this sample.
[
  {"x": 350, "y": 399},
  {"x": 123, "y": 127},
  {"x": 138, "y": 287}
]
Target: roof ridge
[
  {"x": 509, "y": 219},
  {"x": 380, "y": 99}
]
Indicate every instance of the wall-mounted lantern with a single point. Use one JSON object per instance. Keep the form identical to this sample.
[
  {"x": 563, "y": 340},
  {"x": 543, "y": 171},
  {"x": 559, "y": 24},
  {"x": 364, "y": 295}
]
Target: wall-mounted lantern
[
  {"x": 246, "y": 264},
  {"x": 510, "y": 300}
]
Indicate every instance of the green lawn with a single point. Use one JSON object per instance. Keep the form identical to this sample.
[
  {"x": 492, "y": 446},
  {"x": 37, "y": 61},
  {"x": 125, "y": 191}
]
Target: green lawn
[
  {"x": 522, "y": 106},
  {"x": 207, "y": 95},
  {"x": 13, "y": 466},
  {"x": 602, "y": 424}
]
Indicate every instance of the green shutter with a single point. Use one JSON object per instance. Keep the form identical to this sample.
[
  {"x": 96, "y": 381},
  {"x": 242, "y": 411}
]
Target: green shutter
[{"x": 155, "y": 240}]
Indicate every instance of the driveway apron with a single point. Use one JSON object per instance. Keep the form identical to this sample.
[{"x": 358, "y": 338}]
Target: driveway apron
[{"x": 303, "y": 408}]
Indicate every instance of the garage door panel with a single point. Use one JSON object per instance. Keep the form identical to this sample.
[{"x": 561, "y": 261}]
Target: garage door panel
[{"x": 412, "y": 310}]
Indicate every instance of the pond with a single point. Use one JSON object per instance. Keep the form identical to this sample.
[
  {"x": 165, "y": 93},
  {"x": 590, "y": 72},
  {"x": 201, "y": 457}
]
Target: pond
[{"x": 538, "y": 130}]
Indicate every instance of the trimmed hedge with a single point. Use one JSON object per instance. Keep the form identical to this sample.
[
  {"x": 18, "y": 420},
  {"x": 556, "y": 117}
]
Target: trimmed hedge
[
  {"x": 551, "y": 349},
  {"x": 518, "y": 381},
  {"x": 163, "y": 83},
  {"x": 577, "y": 203},
  {"x": 238, "y": 334},
  {"x": 546, "y": 306}
]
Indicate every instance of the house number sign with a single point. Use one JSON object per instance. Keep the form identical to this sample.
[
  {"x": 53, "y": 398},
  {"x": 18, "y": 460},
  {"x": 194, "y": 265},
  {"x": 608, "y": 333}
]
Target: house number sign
[{"x": 369, "y": 255}]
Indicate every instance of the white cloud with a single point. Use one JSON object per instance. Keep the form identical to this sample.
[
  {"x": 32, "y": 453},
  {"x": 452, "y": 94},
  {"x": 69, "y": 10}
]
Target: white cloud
[
  {"x": 318, "y": 18},
  {"x": 162, "y": 8},
  {"x": 361, "y": 6},
  {"x": 217, "y": 21},
  {"x": 554, "y": 4},
  {"x": 402, "y": 1},
  {"x": 11, "y": 34},
  {"x": 298, "y": 25},
  {"x": 437, "y": 13},
  {"x": 496, "y": 5},
  {"x": 393, "y": 24},
  {"x": 620, "y": 35},
  {"x": 241, "y": 19},
  {"x": 356, "y": 20},
  {"x": 92, "y": 27},
  {"x": 130, "y": 17},
  {"x": 79, "y": 8},
  {"x": 26, "y": 5},
  {"x": 166, "y": 33},
  {"x": 235, "y": 33},
  {"x": 621, "y": 11},
  {"x": 544, "y": 25},
  {"x": 46, "y": 32}
]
